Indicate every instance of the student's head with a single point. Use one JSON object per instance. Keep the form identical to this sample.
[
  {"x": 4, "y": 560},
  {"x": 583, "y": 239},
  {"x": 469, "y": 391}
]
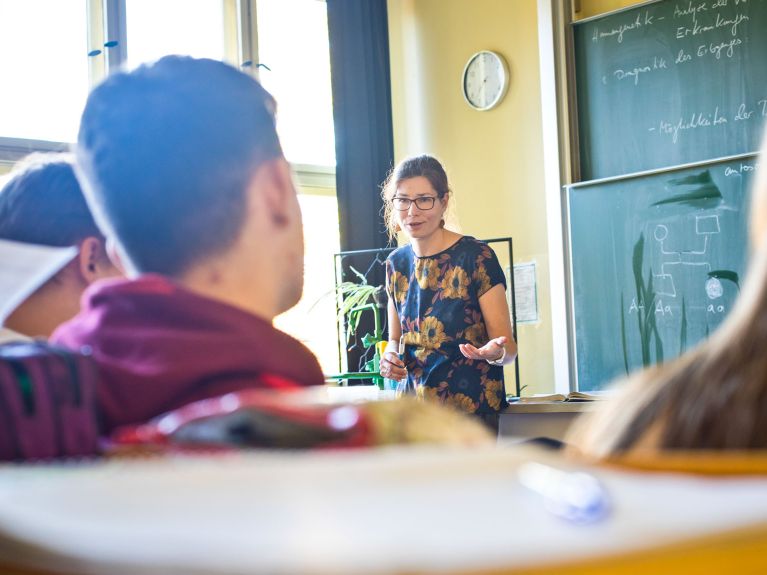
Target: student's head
[
  {"x": 181, "y": 163},
  {"x": 419, "y": 176},
  {"x": 42, "y": 203}
]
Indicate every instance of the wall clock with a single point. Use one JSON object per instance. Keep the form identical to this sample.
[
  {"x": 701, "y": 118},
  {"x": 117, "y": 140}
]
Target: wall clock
[{"x": 485, "y": 80}]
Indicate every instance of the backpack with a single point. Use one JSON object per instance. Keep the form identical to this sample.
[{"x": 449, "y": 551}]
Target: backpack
[{"x": 47, "y": 402}]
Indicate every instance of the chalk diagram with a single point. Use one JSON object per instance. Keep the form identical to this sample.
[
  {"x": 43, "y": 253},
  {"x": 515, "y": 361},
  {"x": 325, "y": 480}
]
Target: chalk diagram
[{"x": 698, "y": 256}]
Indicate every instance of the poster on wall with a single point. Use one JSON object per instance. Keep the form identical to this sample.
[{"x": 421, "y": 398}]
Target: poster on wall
[{"x": 526, "y": 292}]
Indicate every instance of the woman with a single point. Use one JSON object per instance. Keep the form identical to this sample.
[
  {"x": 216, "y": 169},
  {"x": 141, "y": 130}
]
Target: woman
[
  {"x": 446, "y": 297},
  {"x": 714, "y": 397}
]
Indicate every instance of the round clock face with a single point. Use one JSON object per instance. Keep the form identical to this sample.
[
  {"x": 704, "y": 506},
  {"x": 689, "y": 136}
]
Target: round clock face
[{"x": 485, "y": 80}]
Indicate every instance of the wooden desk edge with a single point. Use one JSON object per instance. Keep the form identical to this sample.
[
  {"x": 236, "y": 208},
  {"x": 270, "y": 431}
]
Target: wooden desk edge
[{"x": 552, "y": 407}]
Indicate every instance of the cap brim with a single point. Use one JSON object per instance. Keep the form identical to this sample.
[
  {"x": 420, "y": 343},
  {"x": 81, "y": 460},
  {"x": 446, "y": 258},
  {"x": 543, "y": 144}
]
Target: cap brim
[{"x": 24, "y": 268}]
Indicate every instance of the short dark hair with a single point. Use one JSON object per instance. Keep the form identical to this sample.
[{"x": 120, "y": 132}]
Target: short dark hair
[
  {"x": 427, "y": 166},
  {"x": 166, "y": 152},
  {"x": 42, "y": 203}
]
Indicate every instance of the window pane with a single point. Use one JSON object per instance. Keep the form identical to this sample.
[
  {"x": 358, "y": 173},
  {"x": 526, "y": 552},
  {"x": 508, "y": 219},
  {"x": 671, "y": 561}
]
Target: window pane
[
  {"x": 312, "y": 320},
  {"x": 189, "y": 27},
  {"x": 44, "y": 64},
  {"x": 293, "y": 43}
]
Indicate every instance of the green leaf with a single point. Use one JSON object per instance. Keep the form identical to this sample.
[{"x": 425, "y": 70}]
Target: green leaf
[{"x": 363, "y": 279}]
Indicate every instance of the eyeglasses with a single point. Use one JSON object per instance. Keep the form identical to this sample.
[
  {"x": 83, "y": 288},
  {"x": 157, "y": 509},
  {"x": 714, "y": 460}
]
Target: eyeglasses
[{"x": 422, "y": 203}]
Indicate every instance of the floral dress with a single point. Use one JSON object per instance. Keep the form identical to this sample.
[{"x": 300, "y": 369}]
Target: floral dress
[{"x": 437, "y": 301}]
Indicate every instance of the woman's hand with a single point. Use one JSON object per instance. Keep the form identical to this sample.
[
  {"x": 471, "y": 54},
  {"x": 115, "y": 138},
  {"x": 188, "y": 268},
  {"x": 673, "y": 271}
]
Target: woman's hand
[
  {"x": 493, "y": 350},
  {"x": 392, "y": 366}
]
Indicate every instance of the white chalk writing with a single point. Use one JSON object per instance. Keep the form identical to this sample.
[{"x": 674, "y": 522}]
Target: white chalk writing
[
  {"x": 717, "y": 50},
  {"x": 657, "y": 64},
  {"x": 694, "y": 121},
  {"x": 738, "y": 170},
  {"x": 619, "y": 31}
]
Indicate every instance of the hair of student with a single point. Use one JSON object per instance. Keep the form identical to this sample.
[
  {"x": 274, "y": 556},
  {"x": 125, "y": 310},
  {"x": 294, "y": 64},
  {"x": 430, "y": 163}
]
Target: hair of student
[
  {"x": 713, "y": 397},
  {"x": 42, "y": 203},
  {"x": 166, "y": 153},
  {"x": 426, "y": 166}
]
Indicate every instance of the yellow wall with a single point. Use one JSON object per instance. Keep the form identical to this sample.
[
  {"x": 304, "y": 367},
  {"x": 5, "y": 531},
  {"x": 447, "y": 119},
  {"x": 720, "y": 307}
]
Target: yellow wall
[
  {"x": 594, "y": 7},
  {"x": 494, "y": 158}
]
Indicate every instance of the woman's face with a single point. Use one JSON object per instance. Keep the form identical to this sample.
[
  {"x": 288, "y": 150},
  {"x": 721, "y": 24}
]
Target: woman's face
[{"x": 419, "y": 223}]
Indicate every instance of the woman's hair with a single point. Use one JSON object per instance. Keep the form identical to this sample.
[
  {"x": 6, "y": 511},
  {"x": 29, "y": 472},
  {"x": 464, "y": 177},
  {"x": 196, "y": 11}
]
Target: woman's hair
[
  {"x": 426, "y": 166},
  {"x": 714, "y": 397}
]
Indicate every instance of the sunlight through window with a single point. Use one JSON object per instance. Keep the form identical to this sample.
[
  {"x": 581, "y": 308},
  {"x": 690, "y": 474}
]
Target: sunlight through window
[
  {"x": 44, "y": 68},
  {"x": 293, "y": 43},
  {"x": 189, "y": 27},
  {"x": 313, "y": 319}
]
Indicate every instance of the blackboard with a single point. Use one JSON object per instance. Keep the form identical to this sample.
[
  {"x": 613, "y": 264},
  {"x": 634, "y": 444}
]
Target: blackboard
[
  {"x": 657, "y": 262},
  {"x": 669, "y": 83}
]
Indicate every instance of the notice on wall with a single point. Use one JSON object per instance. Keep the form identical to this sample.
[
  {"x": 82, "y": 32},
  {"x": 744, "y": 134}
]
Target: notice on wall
[{"x": 526, "y": 292}]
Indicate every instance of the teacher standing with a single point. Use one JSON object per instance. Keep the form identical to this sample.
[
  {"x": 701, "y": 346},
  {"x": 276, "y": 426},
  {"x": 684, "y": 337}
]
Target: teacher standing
[{"x": 447, "y": 297}]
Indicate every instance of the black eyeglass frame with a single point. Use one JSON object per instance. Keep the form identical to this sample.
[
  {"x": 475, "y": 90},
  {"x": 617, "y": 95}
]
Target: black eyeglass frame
[{"x": 418, "y": 201}]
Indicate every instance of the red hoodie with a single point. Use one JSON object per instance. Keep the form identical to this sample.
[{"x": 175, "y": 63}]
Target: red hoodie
[{"x": 160, "y": 346}]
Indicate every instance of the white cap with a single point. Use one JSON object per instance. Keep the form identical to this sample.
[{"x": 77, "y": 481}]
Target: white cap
[{"x": 24, "y": 268}]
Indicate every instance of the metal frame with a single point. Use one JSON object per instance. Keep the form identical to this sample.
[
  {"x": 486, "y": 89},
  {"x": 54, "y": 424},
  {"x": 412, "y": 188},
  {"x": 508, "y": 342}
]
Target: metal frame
[
  {"x": 247, "y": 27},
  {"x": 662, "y": 170},
  {"x": 559, "y": 128},
  {"x": 338, "y": 271}
]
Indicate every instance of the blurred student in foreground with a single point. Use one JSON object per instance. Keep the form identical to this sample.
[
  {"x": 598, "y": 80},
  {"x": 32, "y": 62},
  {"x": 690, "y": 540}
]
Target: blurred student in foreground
[
  {"x": 181, "y": 164},
  {"x": 42, "y": 203},
  {"x": 714, "y": 397}
]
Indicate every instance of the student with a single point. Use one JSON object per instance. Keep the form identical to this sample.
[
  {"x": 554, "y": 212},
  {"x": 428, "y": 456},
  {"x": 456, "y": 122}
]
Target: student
[
  {"x": 713, "y": 397},
  {"x": 42, "y": 203},
  {"x": 446, "y": 295},
  {"x": 181, "y": 163}
]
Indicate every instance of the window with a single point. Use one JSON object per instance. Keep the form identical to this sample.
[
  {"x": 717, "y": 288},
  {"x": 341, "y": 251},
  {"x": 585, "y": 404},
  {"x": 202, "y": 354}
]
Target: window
[
  {"x": 44, "y": 47},
  {"x": 189, "y": 27},
  {"x": 313, "y": 319},
  {"x": 293, "y": 45},
  {"x": 44, "y": 68},
  {"x": 294, "y": 54}
]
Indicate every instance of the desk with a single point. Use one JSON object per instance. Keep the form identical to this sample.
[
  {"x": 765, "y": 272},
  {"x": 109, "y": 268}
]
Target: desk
[
  {"x": 520, "y": 420},
  {"x": 386, "y": 511},
  {"x": 545, "y": 419}
]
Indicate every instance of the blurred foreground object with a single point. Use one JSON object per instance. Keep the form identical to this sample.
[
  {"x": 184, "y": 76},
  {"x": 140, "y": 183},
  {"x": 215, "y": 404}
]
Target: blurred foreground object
[
  {"x": 47, "y": 402},
  {"x": 387, "y": 510},
  {"x": 302, "y": 419}
]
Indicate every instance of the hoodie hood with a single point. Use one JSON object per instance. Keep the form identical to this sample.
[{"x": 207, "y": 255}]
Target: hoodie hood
[{"x": 159, "y": 346}]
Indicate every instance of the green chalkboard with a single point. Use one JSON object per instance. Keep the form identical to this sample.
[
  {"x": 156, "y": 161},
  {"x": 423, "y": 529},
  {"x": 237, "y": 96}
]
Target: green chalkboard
[
  {"x": 657, "y": 262},
  {"x": 669, "y": 83}
]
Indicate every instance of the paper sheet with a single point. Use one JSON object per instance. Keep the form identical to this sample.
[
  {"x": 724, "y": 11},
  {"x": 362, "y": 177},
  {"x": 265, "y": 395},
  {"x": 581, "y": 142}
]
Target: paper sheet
[{"x": 526, "y": 292}]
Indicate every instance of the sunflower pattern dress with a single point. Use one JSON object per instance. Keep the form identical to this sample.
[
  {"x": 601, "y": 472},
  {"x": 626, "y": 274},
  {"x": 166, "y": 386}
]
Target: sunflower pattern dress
[{"x": 437, "y": 301}]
